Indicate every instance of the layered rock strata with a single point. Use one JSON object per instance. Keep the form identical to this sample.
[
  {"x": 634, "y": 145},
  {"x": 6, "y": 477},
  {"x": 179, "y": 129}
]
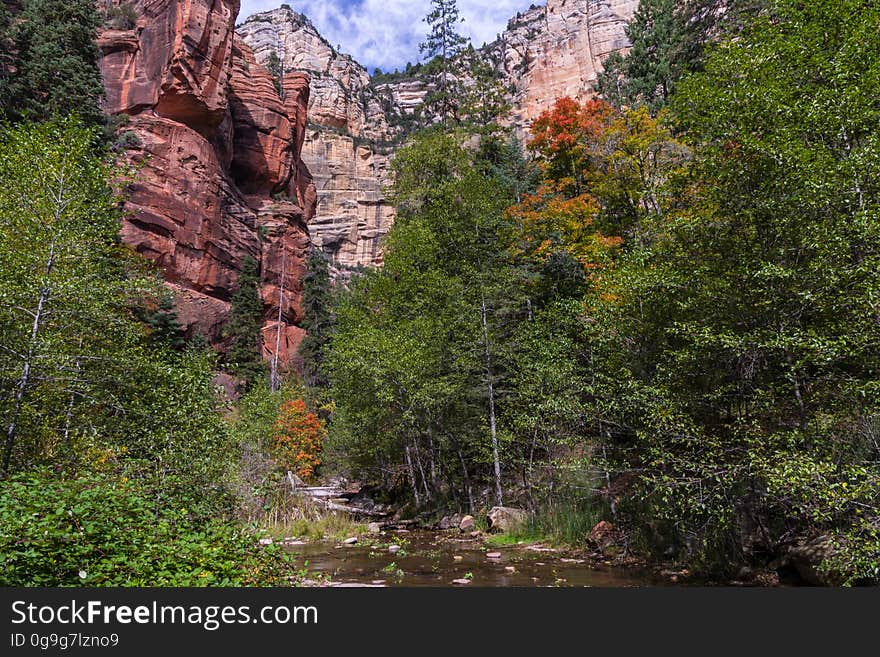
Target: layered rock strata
[
  {"x": 219, "y": 154},
  {"x": 546, "y": 53}
]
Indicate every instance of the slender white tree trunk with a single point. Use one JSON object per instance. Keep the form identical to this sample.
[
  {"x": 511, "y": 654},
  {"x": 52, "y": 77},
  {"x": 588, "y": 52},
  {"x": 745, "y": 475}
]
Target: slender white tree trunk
[
  {"x": 25, "y": 377},
  {"x": 412, "y": 476},
  {"x": 275, "y": 379},
  {"x": 491, "y": 389}
]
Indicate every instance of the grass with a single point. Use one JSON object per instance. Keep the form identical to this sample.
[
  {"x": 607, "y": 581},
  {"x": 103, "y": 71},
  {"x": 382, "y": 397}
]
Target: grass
[
  {"x": 558, "y": 525},
  {"x": 334, "y": 526},
  {"x": 302, "y": 519}
]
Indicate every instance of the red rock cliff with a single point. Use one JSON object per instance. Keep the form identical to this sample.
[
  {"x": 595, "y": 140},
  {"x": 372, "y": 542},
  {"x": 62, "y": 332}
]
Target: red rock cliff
[{"x": 221, "y": 175}]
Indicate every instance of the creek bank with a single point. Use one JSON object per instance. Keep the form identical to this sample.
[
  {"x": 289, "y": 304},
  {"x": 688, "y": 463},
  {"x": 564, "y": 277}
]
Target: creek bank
[{"x": 385, "y": 530}]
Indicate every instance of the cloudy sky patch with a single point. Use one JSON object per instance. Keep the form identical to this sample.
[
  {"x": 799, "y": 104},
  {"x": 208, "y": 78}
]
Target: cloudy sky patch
[{"x": 387, "y": 33}]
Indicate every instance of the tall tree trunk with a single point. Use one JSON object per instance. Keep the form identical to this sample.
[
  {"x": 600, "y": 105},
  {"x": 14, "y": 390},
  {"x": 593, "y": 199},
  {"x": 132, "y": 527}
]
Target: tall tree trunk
[
  {"x": 412, "y": 476},
  {"x": 418, "y": 454},
  {"x": 467, "y": 482},
  {"x": 275, "y": 379},
  {"x": 25, "y": 377},
  {"x": 68, "y": 417},
  {"x": 491, "y": 389}
]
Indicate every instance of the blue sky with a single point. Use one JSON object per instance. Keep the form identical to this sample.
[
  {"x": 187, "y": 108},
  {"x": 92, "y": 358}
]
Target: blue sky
[{"x": 387, "y": 33}]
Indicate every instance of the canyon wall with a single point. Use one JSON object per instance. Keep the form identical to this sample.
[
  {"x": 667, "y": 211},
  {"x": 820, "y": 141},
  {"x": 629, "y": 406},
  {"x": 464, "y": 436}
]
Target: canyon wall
[
  {"x": 220, "y": 174},
  {"x": 355, "y": 123},
  {"x": 348, "y": 138}
]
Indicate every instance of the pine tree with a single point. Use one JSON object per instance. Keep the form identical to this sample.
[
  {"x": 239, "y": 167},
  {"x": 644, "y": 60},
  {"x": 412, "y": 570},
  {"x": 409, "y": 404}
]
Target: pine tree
[
  {"x": 318, "y": 318},
  {"x": 443, "y": 44},
  {"x": 163, "y": 323},
  {"x": 245, "y": 323},
  {"x": 483, "y": 97},
  {"x": 55, "y": 61},
  {"x": 276, "y": 69},
  {"x": 653, "y": 64},
  {"x": 669, "y": 40}
]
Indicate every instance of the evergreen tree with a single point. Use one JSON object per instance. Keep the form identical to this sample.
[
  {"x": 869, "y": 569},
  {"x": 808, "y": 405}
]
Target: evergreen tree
[
  {"x": 648, "y": 73},
  {"x": 443, "y": 45},
  {"x": 56, "y": 62},
  {"x": 669, "y": 40},
  {"x": 483, "y": 97},
  {"x": 7, "y": 59},
  {"x": 163, "y": 323},
  {"x": 318, "y": 318},
  {"x": 245, "y": 324},
  {"x": 276, "y": 69}
]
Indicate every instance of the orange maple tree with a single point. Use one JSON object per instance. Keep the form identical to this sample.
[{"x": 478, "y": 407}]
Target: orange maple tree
[{"x": 298, "y": 438}]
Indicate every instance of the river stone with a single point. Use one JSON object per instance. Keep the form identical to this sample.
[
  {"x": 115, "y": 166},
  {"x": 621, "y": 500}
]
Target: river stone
[
  {"x": 461, "y": 581},
  {"x": 450, "y": 522},
  {"x": 374, "y": 528},
  {"x": 603, "y": 536},
  {"x": 493, "y": 555},
  {"x": 467, "y": 524},
  {"x": 394, "y": 549},
  {"x": 350, "y": 541},
  {"x": 506, "y": 519}
]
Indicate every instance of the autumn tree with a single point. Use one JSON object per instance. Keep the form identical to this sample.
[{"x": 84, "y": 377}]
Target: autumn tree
[{"x": 297, "y": 439}]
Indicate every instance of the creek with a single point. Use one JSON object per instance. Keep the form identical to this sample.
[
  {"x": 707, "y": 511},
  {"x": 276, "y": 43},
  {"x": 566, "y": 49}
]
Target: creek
[{"x": 448, "y": 558}]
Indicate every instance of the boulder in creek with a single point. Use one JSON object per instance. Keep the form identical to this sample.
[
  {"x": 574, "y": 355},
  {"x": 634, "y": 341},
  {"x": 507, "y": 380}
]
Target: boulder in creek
[
  {"x": 603, "y": 536},
  {"x": 467, "y": 524},
  {"x": 506, "y": 519},
  {"x": 450, "y": 522}
]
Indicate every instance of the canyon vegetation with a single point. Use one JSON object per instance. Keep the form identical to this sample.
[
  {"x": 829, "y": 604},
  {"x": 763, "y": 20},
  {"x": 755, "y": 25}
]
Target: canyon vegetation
[{"x": 630, "y": 284}]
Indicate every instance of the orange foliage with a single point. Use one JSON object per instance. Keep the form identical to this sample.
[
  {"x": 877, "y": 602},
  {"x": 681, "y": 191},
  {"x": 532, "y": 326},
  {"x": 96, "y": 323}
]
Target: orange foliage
[{"x": 298, "y": 439}]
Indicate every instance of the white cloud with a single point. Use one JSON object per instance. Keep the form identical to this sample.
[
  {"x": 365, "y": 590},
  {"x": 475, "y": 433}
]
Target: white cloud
[{"x": 387, "y": 33}]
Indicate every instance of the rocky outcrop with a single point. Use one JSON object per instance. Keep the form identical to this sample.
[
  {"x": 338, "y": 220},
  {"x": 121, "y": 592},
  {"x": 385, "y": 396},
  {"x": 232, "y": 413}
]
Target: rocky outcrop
[
  {"x": 506, "y": 519},
  {"x": 219, "y": 153},
  {"x": 546, "y": 53},
  {"x": 347, "y": 139},
  {"x": 557, "y": 50}
]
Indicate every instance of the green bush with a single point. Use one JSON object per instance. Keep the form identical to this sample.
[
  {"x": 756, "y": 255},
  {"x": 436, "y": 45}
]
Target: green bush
[
  {"x": 104, "y": 530},
  {"x": 121, "y": 17}
]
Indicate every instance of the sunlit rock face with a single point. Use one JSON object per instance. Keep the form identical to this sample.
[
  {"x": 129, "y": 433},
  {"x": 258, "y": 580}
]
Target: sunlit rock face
[
  {"x": 348, "y": 138},
  {"x": 220, "y": 172},
  {"x": 546, "y": 53}
]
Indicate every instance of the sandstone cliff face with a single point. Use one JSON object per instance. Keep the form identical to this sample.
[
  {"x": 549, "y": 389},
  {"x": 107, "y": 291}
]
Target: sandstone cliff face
[
  {"x": 546, "y": 53},
  {"x": 347, "y": 139},
  {"x": 221, "y": 174},
  {"x": 557, "y": 50}
]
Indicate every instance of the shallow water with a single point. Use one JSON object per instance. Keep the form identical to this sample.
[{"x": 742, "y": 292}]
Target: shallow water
[{"x": 430, "y": 558}]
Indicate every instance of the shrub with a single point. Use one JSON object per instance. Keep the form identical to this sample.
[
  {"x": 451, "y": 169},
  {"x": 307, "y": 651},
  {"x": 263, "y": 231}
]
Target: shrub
[
  {"x": 121, "y": 17},
  {"x": 104, "y": 530}
]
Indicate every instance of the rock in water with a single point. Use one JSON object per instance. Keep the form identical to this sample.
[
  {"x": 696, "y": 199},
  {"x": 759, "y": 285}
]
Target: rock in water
[
  {"x": 603, "y": 536},
  {"x": 467, "y": 524},
  {"x": 374, "y": 528},
  {"x": 506, "y": 519},
  {"x": 350, "y": 541}
]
